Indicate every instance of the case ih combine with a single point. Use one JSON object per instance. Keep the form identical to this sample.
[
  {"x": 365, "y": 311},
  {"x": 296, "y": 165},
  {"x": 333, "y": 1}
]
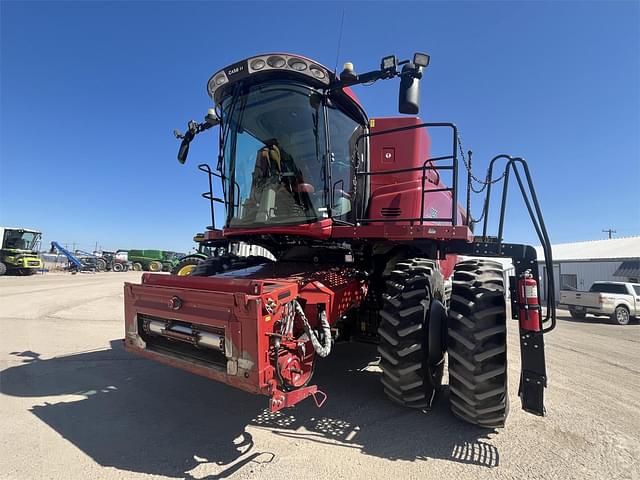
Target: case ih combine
[{"x": 364, "y": 232}]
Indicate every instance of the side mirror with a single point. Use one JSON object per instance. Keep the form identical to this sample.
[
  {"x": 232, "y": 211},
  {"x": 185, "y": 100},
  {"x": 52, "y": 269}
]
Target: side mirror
[
  {"x": 186, "y": 140},
  {"x": 194, "y": 128},
  {"x": 409, "y": 95},
  {"x": 184, "y": 150}
]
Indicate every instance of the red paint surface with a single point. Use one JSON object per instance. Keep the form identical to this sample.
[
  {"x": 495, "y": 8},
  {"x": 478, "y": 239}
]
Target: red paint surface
[
  {"x": 319, "y": 230},
  {"x": 402, "y": 193},
  {"x": 237, "y": 307}
]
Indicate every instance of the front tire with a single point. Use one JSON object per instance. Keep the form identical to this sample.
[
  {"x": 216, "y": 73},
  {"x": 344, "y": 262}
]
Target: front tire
[
  {"x": 411, "y": 338},
  {"x": 186, "y": 266},
  {"x": 3, "y": 268},
  {"x": 117, "y": 267},
  {"x": 137, "y": 267},
  {"x": 478, "y": 344},
  {"x": 215, "y": 265}
]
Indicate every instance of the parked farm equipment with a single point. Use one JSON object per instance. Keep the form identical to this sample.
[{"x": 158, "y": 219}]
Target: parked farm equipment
[
  {"x": 111, "y": 261},
  {"x": 152, "y": 260},
  {"x": 76, "y": 263},
  {"x": 364, "y": 230},
  {"x": 18, "y": 251},
  {"x": 206, "y": 248}
]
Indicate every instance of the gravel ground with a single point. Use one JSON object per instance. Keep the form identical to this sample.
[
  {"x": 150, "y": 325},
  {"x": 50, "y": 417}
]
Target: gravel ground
[{"x": 73, "y": 404}]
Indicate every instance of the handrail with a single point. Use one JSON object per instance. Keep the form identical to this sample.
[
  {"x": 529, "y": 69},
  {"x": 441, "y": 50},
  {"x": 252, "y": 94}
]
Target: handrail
[
  {"x": 204, "y": 167},
  {"x": 424, "y": 168},
  {"x": 535, "y": 214}
]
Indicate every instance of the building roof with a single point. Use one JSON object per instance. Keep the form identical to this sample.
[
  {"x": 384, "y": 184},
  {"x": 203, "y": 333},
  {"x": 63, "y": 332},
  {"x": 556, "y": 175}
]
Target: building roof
[
  {"x": 609, "y": 249},
  {"x": 630, "y": 268}
]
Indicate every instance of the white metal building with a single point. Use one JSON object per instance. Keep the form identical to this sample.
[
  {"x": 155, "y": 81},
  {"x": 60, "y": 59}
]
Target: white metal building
[{"x": 577, "y": 265}]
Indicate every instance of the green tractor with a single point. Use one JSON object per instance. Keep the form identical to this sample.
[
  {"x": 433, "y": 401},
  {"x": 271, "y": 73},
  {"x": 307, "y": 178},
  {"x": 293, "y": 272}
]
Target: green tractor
[
  {"x": 18, "y": 252},
  {"x": 153, "y": 260},
  {"x": 206, "y": 248}
]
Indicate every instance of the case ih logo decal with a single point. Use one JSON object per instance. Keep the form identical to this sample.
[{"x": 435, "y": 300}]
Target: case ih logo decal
[{"x": 238, "y": 68}]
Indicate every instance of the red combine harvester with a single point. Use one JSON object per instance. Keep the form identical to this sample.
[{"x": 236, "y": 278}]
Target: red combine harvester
[{"x": 366, "y": 237}]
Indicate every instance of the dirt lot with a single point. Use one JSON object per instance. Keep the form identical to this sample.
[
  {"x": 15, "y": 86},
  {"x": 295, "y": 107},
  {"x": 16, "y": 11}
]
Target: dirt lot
[{"x": 75, "y": 405}]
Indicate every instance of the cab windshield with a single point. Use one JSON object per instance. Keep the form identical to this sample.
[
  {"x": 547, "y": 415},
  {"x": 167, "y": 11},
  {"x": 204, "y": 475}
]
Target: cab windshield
[
  {"x": 274, "y": 152},
  {"x": 20, "y": 240}
]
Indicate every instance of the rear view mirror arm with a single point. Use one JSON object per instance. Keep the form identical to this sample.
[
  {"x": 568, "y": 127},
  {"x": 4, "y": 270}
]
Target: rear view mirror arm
[{"x": 193, "y": 129}]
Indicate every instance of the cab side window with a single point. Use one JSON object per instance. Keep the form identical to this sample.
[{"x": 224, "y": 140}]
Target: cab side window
[{"x": 344, "y": 132}]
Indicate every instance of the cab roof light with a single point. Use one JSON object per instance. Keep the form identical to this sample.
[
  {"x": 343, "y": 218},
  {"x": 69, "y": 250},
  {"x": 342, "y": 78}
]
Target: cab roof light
[
  {"x": 421, "y": 59},
  {"x": 389, "y": 64}
]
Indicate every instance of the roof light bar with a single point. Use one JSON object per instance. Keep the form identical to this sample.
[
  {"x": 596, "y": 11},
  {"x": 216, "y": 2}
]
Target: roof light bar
[{"x": 270, "y": 62}]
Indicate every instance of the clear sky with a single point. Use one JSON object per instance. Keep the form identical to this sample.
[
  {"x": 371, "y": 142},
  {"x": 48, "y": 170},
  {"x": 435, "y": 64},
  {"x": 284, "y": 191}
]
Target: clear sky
[{"x": 90, "y": 93}]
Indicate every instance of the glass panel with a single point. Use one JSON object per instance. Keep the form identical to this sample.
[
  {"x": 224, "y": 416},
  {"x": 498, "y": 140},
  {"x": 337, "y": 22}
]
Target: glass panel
[
  {"x": 274, "y": 156},
  {"x": 568, "y": 281},
  {"x": 608, "y": 288},
  {"x": 343, "y": 133},
  {"x": 20, "y": 240},
  {"x": 637, "y": 289},
  {"x": 599, "y": 287},
  {"x": 620, "y": 289}
]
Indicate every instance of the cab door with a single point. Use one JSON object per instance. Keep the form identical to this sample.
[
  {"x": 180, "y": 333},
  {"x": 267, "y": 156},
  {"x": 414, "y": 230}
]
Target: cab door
[{"x": 344, "y": 132}]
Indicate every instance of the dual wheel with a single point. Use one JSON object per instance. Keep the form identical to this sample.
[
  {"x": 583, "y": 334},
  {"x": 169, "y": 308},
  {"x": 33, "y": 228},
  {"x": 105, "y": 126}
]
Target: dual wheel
[
  {"x": 153, "y": 266},
  {"x": 416, "y": 331}
]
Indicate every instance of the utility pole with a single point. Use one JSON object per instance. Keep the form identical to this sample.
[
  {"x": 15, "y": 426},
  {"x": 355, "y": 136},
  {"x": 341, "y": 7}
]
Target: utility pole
[{"x": 609, "y": 231}]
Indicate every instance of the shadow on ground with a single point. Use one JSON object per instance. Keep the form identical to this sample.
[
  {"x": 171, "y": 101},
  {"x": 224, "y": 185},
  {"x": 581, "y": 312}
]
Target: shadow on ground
[
  {"x": 589, "y": 319},
  {"x": 139, "y": 416}
]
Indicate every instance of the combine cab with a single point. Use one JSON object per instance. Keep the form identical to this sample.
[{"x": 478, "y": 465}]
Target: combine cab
[{"x": 366, "y": 230}]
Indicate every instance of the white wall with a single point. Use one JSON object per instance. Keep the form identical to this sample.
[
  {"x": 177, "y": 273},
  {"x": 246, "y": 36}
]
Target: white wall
[
  {"x": 586, "y": 273},
  {"x": 589, "y": 272}
]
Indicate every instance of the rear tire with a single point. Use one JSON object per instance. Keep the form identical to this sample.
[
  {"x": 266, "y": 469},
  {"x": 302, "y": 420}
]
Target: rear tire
[
  {"x": 478, "y": 344},
  {"x": 117, "y": 267},
  {"x": 137, "y": 267},
  {"x": 577, "y": 315},
  {"x": 101, "y": 265},
  {"x": 621, "y": 315},
  {"x": 155, "y": 266},
  {"x": 411, "y": 367}
]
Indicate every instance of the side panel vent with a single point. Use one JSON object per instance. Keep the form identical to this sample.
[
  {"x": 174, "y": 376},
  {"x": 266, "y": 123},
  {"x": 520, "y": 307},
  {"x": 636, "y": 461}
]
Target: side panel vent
[{"x": 390, "y": 211}]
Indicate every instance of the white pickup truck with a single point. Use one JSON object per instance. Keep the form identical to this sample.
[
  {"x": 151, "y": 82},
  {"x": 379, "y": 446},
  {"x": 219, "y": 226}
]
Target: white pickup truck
[{"x": 619, "y": 300}]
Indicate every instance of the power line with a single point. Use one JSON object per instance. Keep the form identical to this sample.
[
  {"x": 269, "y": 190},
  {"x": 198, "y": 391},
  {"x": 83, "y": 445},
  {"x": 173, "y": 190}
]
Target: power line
[{"x": 610, "y": 231}]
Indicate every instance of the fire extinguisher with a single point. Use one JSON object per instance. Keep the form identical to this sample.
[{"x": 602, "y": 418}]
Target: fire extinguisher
[{"x": 528, "y": 304}]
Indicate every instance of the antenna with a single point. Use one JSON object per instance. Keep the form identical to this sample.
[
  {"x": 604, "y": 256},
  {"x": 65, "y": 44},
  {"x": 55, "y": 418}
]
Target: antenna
[{"x": 335, "y": 69}]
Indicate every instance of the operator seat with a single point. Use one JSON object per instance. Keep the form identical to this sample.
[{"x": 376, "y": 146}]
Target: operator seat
[{"x": 266, "y": 179}]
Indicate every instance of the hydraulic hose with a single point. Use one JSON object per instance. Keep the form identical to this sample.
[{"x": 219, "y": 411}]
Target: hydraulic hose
[{"x": 321, "y": 350}]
